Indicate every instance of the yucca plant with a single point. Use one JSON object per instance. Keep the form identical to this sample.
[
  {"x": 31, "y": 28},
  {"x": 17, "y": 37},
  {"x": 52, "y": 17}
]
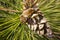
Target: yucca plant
[{"x": 12, "y": 29}]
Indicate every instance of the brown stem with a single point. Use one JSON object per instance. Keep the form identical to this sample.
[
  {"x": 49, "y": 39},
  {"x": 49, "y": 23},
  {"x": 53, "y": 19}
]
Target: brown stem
[
  {"x": 9, "y": 10},
  {"x": 35, "y": 3}
]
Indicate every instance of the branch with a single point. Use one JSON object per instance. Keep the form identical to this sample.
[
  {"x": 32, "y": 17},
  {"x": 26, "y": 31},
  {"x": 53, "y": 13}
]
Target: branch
[
  {"x": 56, "y": 32},
  {"x": 9, "y": 10}
]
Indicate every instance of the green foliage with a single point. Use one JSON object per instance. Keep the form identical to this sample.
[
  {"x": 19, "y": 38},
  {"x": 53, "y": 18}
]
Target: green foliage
[{"x": 12, "y": 29}]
